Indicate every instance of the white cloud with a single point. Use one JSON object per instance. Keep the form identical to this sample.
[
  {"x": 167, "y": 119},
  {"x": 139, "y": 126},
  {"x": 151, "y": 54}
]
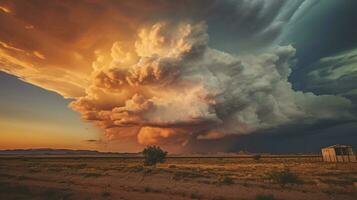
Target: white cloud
[{"x": 178, "y": 86}]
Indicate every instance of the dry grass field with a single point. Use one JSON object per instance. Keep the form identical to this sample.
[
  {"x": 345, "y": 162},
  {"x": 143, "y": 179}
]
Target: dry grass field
[{"x": 178, "y": 178}]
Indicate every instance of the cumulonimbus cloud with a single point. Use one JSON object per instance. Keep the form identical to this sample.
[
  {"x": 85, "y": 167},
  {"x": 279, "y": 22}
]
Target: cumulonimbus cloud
[
  {"x": 170, "y": 85},
  {"x": 164, "y": 83}
]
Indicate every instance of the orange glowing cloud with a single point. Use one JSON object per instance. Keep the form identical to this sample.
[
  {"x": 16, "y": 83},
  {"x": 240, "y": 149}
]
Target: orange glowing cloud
[
  {"x": 57, "y": 44},
  {"x": 172, "y": 87}
]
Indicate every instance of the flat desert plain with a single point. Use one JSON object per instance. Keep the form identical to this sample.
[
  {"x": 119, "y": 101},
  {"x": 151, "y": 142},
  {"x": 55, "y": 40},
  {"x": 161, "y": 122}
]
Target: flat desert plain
[{"x": 178, "y": 178}]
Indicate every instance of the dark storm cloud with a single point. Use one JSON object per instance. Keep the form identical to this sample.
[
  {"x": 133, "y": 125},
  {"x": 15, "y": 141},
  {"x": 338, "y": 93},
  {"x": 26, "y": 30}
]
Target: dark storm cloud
[
  {"x": 248, "y": 24},
  {"x": 292, "y": 138},
  {"x": 336, "y": 74},
  {"x": 328, "y": 29}
]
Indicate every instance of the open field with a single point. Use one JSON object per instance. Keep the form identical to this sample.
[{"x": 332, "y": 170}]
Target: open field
[{"x": 179, "y": 178}]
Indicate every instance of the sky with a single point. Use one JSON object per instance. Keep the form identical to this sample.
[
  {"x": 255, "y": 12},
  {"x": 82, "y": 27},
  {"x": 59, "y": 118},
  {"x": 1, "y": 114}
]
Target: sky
[{"x": 191, "y": 76}]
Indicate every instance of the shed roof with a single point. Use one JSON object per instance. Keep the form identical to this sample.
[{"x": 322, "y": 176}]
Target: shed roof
[{"x": 339, "y": 146}]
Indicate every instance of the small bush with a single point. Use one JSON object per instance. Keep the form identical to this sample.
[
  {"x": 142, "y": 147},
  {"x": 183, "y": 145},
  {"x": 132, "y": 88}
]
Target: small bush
[
  {"x": 148, "y": 171},
  {"x": 284, "y": 177},
  {"x": 55, "y": 169},
  {"x": 194, "y": 195},
  {"x": 52, "y": 193},
  {"x": 78, "y": 166},
  {"x": 218, "y": 198},
  {"x": 137, "y": 168},
  {"x": 105, "y": 194},
  {"x": 257, "y": 157},
  {"x": 264, "y": 197},
  {"x": 184, "y": 174},
  {"x": 91, "y": 175},
  {"x": 34, "y": 170},
  {"x": 226, "y": 180},
  {"x": 154, "y": 155},
  {"x": 147, "y": 189}
]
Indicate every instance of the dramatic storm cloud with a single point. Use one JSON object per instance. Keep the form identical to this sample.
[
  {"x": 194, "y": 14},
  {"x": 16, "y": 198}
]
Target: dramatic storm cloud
[
  {"x": 336, "y": 74},
  {"x": 172, "y": 86},
  {"x": 166, "y": 72}
]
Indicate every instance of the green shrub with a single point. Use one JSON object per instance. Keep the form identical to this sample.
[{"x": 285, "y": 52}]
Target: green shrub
[
  {"x": 284, "y": 177},
  {"x": 91, "y": 175},
  {"x": 137, "y": 168},
  {"x": 147, "y": 189},
  {"x": 154, "y": 155},
  {"x": 257, "y": 157},
  {"x": 187, "y": 174},
  {"x": 226, "y": 180},
  {"x": 218, "y": 198},
  {"x": 264, "y": 197},
  {"x": 105, "y": 194},
  {"x": 195, "y": 195}
]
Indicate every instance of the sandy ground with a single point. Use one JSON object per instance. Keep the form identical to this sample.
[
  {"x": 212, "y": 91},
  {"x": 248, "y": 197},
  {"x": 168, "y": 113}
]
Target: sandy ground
[{"x": 178, "y": 178}]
